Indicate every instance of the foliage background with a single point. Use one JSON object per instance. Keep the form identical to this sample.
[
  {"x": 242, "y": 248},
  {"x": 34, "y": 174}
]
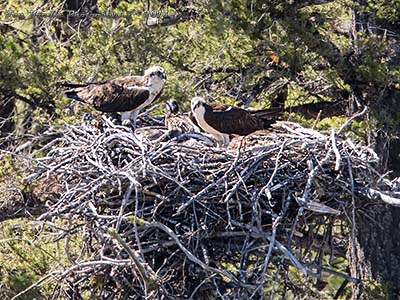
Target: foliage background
[{"x": 338, "y": 56}]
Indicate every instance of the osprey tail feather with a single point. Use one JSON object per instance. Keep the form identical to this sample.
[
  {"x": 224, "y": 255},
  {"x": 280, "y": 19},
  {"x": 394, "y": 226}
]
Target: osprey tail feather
[
  {"x": 267, "y": 123},
  {"x": 73, "y": 94},
  {"x": 268, "y": 113},
  {"x": 268, "y": 116}
]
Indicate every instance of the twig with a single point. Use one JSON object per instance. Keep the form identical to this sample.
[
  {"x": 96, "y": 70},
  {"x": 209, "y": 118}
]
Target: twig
[{"x": 150, "y": 282}]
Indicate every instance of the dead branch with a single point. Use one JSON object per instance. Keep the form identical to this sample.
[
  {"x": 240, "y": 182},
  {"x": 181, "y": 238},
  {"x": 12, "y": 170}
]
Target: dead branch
[{"x": 192, "y": 220}]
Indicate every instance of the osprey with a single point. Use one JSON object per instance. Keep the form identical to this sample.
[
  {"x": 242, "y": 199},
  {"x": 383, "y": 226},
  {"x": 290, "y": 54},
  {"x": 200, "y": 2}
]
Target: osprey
[
  {"x": 221, "y": 120},
  {"x": 176, "y": 121},
  {"x": 127, "y": 94}
]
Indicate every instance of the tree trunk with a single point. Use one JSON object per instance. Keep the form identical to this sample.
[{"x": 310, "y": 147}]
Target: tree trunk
[
  {"x": 374, "y": 252},
  {"x": 6, "y": 118}
]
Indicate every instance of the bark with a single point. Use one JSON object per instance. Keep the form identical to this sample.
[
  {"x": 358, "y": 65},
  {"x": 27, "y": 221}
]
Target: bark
[
  {"x": 374, "y": 253},
  {"x": 7, "y": 125}
]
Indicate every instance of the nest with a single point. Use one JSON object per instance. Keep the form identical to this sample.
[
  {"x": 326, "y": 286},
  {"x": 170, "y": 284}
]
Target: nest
[{"x": 178, "y": 218}]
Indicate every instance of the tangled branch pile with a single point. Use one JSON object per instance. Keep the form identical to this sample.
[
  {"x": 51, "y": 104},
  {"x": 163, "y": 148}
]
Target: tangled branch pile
[{"x": 179, "y": 219}]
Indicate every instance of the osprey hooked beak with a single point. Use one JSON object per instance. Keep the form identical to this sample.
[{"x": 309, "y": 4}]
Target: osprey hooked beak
[
  {"x": 156, "y": 71},
  {"x": 171, "y": 106},
  {"x": 197, "y": 102},
  {"x": 162, "y": 75}
]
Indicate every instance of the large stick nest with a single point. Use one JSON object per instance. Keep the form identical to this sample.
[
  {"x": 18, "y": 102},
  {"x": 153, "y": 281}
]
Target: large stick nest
[{"x": 177, "y": 218}]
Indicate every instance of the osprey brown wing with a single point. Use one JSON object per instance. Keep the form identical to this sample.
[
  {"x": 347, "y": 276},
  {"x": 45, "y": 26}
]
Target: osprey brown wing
[
  {"x": 193, "y": 119},
  {"x": 233, "y": 121},
  {"x": 220, "y": 106},
  {"x": 129, "y": 81},
  {"x": 112, "y": 97}
]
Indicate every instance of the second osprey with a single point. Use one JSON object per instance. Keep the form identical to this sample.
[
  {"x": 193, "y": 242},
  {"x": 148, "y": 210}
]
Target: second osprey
[
  {"x": 221, "y": 120},
  {"x": 127, "y": 94}
]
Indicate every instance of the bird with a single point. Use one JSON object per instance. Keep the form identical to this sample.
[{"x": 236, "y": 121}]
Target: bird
[
  {"x": 178, "y": 122},
  {"x": 126, "y": 94},
  {"x": 221, "y": 120}
]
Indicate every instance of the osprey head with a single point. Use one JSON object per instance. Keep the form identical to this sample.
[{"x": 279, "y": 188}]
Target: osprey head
[
  {"x": 171, "y": 106},
  {"x": 156, "y": 71},
  {"x": 197, "y": 102}
]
